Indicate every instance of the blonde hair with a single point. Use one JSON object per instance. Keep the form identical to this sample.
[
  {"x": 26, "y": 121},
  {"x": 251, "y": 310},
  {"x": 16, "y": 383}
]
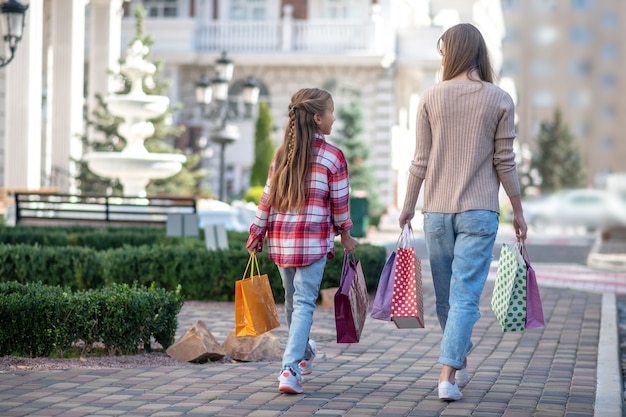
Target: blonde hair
[
  {"x": 292, "y": 163},
  {"x": 465, "y": 50}
]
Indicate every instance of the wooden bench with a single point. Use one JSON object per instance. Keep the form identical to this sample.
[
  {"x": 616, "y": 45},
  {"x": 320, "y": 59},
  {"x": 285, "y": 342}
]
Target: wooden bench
[{"x": 66, "y": 209}]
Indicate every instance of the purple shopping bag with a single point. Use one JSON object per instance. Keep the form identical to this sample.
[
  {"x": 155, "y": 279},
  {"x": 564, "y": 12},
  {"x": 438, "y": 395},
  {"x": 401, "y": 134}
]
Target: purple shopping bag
[
  {"x": 534, "y": 310},
  {"x": 351, "y": 301},
  {"x": 381, "y": 309}
]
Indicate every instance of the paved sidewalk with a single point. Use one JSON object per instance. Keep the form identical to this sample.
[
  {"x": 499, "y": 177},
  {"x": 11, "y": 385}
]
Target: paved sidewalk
[
  {"x": 551, "y": 371},
  {"x": 569, "y": 368}
]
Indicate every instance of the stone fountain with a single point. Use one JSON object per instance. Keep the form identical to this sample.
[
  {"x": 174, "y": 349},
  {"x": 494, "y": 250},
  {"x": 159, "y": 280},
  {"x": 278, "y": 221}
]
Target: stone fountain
[{"x": 134, "y": 166}]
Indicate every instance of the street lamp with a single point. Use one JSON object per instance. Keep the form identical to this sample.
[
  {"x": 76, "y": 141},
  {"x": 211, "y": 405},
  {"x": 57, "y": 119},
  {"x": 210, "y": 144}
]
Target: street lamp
[
  {"x": 218, "y": 106},
  {"x": 13, "y": 15}
]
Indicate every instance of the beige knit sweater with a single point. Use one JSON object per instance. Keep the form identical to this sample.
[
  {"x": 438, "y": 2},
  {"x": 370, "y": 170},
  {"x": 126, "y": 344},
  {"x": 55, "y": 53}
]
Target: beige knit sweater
[{"x": 464, "y": 148}]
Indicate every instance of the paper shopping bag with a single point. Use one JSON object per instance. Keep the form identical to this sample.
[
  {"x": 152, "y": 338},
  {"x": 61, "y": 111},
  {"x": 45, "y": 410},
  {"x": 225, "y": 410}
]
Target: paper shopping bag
[
  {"x": 381, "y": 309},
  {"x": 508, "y": 301},
  {"x": 351, "y": 301},
  {"x": 407, "y": 306},
  {"x": 534, "y": 309},
  {"x": 255, "y": 309}
]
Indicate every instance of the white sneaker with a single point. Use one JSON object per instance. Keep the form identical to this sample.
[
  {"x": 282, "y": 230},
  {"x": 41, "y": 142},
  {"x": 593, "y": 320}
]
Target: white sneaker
[
  {"x": 449, "y": 392},
  {"x": 289, "y": 382},
  {"x": 462, "y": 377},
  {"x": 306, "y": 365}
]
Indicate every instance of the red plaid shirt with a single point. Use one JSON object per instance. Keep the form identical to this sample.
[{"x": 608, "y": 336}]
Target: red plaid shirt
[{"x": 299, "y": 239}]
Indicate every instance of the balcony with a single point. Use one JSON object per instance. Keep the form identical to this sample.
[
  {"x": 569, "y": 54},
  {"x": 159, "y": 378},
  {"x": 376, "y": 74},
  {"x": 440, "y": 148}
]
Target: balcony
[{"x": 187, "y": 39}]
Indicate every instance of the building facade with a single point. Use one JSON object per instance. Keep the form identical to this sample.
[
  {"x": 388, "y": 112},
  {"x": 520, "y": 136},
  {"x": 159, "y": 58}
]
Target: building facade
[
  {"x": 570, "y": 55},
  {"x": 380, "y": 53}
]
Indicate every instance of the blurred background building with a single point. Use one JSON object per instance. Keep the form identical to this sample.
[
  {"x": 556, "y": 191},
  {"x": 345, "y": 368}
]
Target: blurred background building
[
  {"x": 380, "y": 53},
  {"x": 571, "y": 55}
]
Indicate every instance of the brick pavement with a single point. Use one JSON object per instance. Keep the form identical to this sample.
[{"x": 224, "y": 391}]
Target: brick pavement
[{"x": 548, "y": 372}]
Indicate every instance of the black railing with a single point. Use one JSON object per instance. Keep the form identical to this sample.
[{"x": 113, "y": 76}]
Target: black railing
[{"x": 50, "y": 208}]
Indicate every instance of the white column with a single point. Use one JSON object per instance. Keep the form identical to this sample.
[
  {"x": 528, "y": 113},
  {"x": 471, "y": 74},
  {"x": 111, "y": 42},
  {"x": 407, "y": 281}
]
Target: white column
[
  {"x": 65, "y": 90},
  {"x": 105, "y": 30},
  {"x": 22, "y": 139}
]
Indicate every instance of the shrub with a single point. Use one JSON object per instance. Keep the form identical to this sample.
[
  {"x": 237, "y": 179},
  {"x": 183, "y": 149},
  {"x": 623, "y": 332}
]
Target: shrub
[{"x": 40, "y": 320}]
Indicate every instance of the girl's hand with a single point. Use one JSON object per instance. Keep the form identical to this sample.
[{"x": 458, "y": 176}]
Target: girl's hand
[
  {"x": 253, "y": 246},
  {"x": 349, "y": 243}
]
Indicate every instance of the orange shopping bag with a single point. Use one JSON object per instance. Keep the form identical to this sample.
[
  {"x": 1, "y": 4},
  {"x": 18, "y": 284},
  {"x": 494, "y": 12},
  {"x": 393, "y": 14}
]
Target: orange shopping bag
[{"x": 255, "y": 309}]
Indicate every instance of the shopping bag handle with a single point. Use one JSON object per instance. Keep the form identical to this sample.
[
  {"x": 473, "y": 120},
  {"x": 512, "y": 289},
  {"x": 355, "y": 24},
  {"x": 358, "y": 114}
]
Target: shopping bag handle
[
  {"x": 347, "y": 258},
  {"x": 251, "y": 265},
  {"x": 522, "y": 248},
  {"x": 406, "y": 237}
]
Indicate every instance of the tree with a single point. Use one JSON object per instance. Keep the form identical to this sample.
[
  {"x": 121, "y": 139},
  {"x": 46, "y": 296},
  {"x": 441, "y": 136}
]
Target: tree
[
  {"x": 558, "y": 159},
  {"x": 186, "y": 182},
  {"x": 348, "y": 138},
  {"x": 263, "y": 147}
]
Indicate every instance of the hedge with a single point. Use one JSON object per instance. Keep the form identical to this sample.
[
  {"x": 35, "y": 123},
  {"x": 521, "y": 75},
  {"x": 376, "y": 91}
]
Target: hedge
[
  {"x": 166, "y": 263},
  {"x": 41, "y": 320}
]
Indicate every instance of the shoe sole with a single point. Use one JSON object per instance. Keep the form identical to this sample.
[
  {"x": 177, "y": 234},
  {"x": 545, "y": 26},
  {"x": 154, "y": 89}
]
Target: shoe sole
[{"x": 286, "y": 389}]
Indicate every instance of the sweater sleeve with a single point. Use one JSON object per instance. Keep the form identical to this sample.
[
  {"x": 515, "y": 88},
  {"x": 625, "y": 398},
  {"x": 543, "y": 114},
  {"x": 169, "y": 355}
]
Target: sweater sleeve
[
  {"x": 417, "y": 170},
  {"x": 504, "y": 155}
]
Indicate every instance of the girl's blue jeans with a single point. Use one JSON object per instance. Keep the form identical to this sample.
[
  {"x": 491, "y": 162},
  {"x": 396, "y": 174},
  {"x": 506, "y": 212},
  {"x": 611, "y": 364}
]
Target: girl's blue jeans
[
  {"x": 302, "y": 286},
  {"x": 460, "y": 248}
]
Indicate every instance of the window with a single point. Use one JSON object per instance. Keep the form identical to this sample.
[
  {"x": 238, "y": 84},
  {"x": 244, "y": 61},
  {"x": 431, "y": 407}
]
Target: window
[
  {"x": 607, "y": 82},
  {"x": 545, "y": 35},
  {"x": 542, "y": 69},
  {"x": 580, "y": 68},
  {"x": 608, "y": 113},
  {"x": 544, "y": 5},
  {"x": 609, "y": 51},
  {"x": 543, "y": 99},
  {"x": 581, "y": 129},
  {"x": 609, "y": 20},
  {"x": 511, "y": 36},
  {"x": 336, "y": 9},
  {"x": 581, "y": 5},
  {"x": 578, "y": 99},
  {"x": 161, "y": 8},
  {"x": 607, "y": 144},
  {"x": 509, "y": 68},
  {"x": 510, "y": 5},
  {"x": 580, "y": 34},
  {"x": 246, "y": 10}
]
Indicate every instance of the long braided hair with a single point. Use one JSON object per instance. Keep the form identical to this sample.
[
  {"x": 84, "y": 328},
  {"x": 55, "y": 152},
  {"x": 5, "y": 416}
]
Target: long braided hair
[{"x": 292, "y": 163}]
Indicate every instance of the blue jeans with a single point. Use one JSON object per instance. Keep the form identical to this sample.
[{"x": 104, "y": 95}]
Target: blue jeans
[
  {"x": 302, "y": 286},
  {"x": 460, "y": 248}
]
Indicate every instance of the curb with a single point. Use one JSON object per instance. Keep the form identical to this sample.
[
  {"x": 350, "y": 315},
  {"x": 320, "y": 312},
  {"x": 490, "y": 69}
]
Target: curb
[{"x": 609, "y": 400}]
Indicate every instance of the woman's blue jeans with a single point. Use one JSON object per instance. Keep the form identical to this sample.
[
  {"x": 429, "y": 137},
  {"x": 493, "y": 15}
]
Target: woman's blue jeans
[
  {"x": 302, "y": 286},
  {"x": 460, "y": 248}
]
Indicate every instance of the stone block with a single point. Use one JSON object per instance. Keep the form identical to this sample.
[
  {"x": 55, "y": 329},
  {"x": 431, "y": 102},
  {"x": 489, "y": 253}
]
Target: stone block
[
  {"x": 328, "y": 297},
  {"x": 265, "y": 347},
  {"x": 196, "y": 345}
]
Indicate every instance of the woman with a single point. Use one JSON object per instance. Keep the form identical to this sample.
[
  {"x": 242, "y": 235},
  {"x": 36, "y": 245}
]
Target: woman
[
  {"x": 303, "y": 207},
  {"x": 464, "y": 151}
]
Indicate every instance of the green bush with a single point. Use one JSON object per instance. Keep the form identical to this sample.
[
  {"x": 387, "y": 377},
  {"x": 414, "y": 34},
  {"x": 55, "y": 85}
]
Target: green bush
[
  {"x": 204, "y": 275},
  {"x": 41, "y": 320},
  {"x": 253, "y": 194}
]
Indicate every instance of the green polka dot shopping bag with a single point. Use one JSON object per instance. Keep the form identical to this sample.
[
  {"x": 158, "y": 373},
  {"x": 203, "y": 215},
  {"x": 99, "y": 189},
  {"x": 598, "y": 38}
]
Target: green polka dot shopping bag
[{"x": 509, "y": 301}]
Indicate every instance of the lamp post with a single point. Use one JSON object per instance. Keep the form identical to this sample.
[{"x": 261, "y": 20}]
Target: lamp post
[
  {"x": 12, "y": 17},
  {"x": 220, "y": 107}
]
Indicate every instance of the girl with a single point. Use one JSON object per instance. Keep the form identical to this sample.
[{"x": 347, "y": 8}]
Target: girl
[
  {"x": 464, "y": 151},
  {"x": 303, "y": 207}
]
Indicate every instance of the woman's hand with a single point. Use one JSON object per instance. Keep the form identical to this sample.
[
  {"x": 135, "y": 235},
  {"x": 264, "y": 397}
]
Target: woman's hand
[{"x": 405, "y": 218}]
